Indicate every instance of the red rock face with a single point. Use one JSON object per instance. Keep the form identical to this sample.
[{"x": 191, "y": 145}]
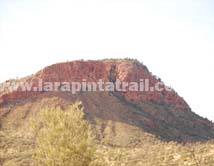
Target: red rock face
[
  {"x": 107, "y": 70},
  {"x": 162, "y": 113}
]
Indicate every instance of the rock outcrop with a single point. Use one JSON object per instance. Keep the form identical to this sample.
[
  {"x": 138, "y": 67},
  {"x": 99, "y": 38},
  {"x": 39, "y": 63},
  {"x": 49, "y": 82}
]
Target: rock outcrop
[
  {"x": 107, "y": 70},
  {"x": 162, "y": 113}
]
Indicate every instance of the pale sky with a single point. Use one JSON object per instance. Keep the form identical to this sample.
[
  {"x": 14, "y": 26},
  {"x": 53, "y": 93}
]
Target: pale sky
[{"x": 174, "y": 38}]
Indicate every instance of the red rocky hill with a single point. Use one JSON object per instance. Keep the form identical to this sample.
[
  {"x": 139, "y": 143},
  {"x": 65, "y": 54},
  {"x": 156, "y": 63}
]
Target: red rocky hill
[{"x": 114, "y": 114}]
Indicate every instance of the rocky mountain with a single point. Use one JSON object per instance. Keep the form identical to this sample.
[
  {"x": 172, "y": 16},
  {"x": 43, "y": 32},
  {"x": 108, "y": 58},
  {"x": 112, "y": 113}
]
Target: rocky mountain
[{"x": 119, "y": 117}]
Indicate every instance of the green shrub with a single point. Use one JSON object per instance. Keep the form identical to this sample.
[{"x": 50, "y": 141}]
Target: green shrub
[{"x": 63, "y": 138}]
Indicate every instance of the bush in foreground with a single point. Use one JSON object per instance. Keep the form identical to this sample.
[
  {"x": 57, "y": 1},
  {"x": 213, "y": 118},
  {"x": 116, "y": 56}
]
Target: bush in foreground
[{"x": 63, "y": 138}]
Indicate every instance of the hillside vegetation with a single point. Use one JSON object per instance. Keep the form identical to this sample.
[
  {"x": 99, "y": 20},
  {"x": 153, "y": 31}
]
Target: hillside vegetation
[{"x": 54, "y": 137}]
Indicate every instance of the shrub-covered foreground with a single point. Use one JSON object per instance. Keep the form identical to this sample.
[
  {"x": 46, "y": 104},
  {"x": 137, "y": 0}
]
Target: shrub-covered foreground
[{"x": 64, "y": 138}]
